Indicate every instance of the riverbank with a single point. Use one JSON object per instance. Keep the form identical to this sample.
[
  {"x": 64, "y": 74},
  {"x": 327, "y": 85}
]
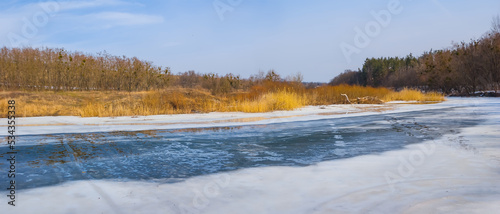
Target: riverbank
[
  {"x": 456, "y": 172},
  {"x": 75, "y": 124},
  {"x": 261, "y": 98}
]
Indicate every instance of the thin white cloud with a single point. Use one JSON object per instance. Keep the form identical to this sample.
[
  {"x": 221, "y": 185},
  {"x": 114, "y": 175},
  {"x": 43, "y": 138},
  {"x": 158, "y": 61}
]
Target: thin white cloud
[
  {"x": 59, "y": 6},
  {"x": 110, "y": 19},
  {"x": 75, "y": 5},
  {"x": 22, "y": 12},
  {"x": 19, "y": 17}
]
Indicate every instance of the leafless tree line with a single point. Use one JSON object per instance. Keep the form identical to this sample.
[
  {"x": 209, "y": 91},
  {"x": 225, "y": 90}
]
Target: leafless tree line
[{"x": 57, "y": 69}]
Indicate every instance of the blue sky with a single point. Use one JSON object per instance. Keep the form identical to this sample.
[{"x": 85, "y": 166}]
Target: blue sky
[{"x": 243, "y": 36}]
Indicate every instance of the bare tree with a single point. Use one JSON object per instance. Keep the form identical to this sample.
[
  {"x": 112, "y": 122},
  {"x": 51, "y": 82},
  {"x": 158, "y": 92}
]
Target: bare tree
[
  {"x": 495, "y": 24},
  {"x": 295, "y": 78}
]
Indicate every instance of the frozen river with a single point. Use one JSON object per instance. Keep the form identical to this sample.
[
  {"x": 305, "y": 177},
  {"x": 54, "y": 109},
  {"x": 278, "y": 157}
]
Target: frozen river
[{"x": 214, "y": 169}]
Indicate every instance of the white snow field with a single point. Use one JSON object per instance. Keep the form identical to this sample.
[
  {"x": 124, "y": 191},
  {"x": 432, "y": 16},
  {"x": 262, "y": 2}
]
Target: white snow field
[{"x": 456, "y": 173}]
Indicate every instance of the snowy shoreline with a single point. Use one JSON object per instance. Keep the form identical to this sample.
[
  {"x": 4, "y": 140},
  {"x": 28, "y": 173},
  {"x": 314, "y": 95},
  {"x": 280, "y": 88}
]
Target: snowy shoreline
[
  {"x": 73, "y": 124},
  {"x": 457, "y": 173}
]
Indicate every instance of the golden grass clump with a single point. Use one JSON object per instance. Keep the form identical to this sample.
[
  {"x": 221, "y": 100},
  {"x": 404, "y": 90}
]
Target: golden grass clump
[
  {"x": 33, "y": 105},
  {"x": 3, "y": 107},
  {"x": 149, "y": 103},
  {"x": 327, "y": 95},
  {"x": 271, "y": 101},
  {"x": 413, "y": 95}
]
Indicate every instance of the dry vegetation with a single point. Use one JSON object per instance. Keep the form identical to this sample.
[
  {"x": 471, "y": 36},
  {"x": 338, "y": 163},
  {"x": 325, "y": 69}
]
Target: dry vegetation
[
  {"x": 413, "y": 95},
  {"x": 262, "y": 98}
]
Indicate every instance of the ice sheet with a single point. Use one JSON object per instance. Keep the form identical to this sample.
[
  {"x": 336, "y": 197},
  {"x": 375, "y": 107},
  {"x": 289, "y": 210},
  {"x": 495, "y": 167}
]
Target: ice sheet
[{"x": 457, "y": 173}]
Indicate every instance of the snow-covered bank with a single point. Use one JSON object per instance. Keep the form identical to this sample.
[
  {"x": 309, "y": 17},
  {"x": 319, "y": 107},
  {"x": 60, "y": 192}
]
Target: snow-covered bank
[
  {"x": 457, "y": 173},
  {"x": 71, "y": 124}
]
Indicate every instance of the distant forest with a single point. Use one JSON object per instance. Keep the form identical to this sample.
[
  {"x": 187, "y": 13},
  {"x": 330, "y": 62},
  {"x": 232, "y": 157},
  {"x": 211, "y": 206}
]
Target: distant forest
[
  {"x": 465, "y": 68},
  {"x": 41, "y": 69}
]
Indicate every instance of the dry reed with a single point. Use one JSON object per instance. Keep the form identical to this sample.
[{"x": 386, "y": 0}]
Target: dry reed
[{"x": 261, "y": 98}]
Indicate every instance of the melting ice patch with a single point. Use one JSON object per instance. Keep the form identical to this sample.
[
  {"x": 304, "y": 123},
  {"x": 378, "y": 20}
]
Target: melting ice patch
[{"x": 220, "y": 176}]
